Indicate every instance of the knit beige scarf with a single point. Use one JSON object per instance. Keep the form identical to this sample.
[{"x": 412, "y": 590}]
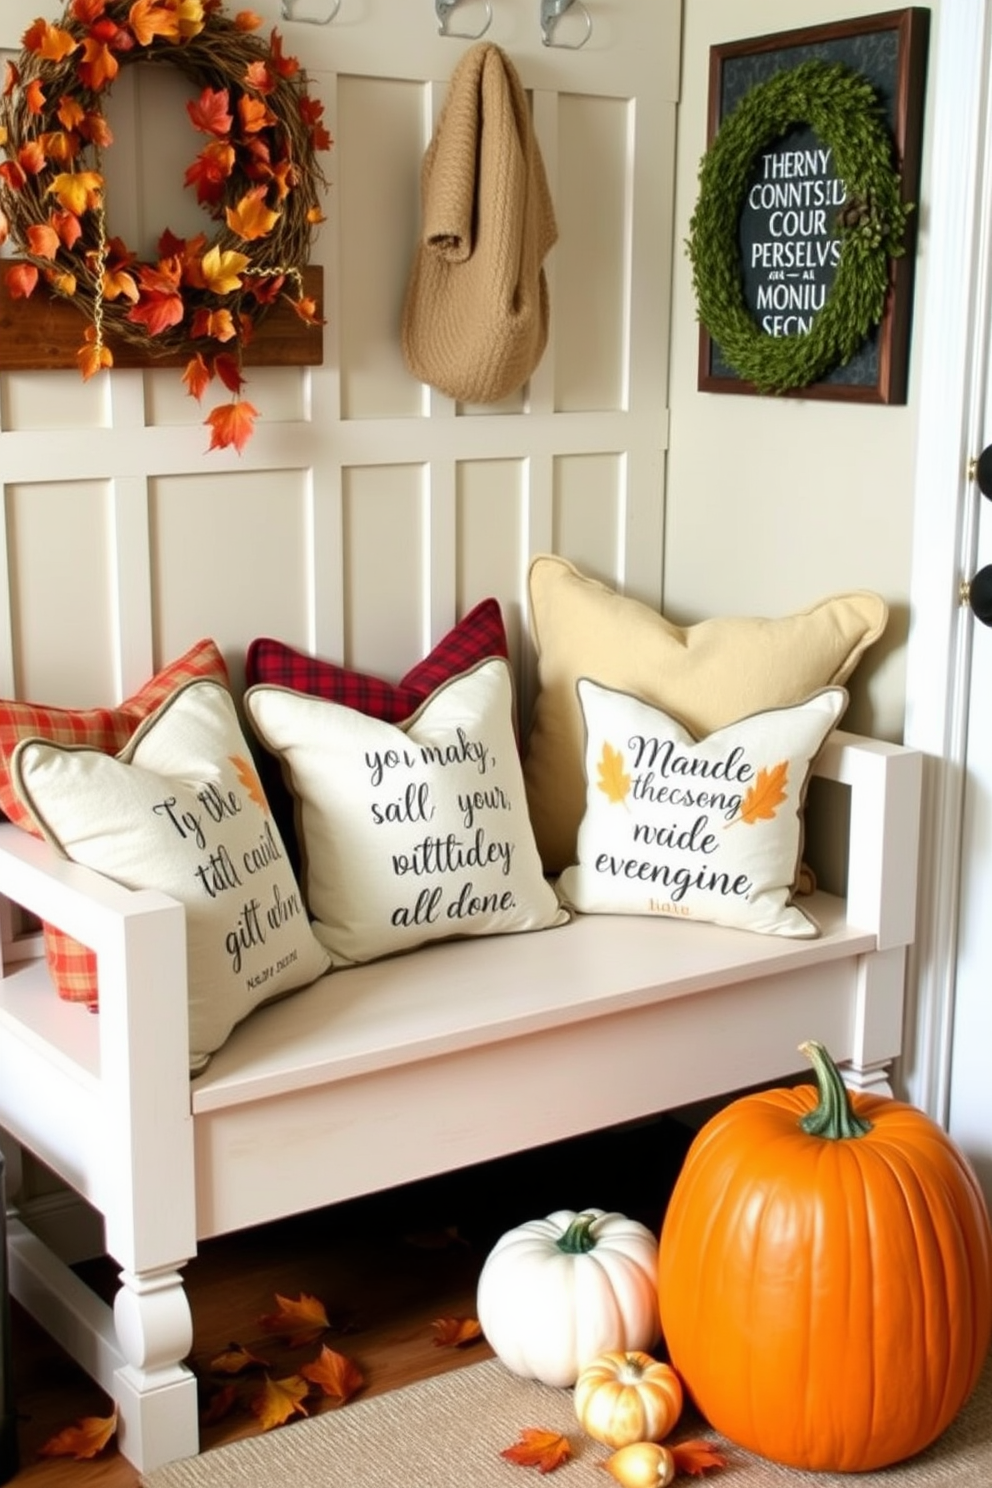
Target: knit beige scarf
[{"x": 475, "y": 319}]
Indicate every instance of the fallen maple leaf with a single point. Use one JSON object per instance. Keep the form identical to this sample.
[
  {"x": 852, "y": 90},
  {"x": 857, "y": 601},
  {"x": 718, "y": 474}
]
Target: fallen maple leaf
[
  {"x": 88, "y": 1437},
  {"x": 766, "y": 795},
  {"x": 696, "y": 1457},
  {"x": 451, "y": 1332},
  {"x": 278, "y": 1400},
  {"x": 538, "y": 1448},
  {"x": 236, "y": 1358},
  {"x": 300, "y": 1322},
  {"x": 613, "y": 780},
  {"x": 336, "y": 1374}
]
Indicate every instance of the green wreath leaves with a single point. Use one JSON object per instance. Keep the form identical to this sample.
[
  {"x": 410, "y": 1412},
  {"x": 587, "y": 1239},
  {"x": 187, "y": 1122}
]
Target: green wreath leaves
[{"x": 842, "y": 109}]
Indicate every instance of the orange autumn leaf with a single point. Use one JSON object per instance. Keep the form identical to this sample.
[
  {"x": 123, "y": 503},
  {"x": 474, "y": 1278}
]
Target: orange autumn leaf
[
  {"x": 235, "y": 1359},
  {"x": 613, "y": 780},
  {"x": 306, "y": 309},
  {"x": 286, "y": 66},
  {"x": 253, "y": 787},
  {"x": 49, "y": 42},
  {"x": 247, "y": 20},
  {"x": 303, "y": 1321},
  {"x": 99, "y": 65},
  {"x": 43, "y": 240},
  {"x": 222, "y": 269},
  {"x": 210, "y": 113},
  {"x": 77, "y": 191},
  {"x": 338, "y": 1376},
  {"x": 255, "y": 115},
  {"x": 232, "y": 423},
  {"x": 250, "y": 218},
  {"x": 259, "y": 78},
  {"x": 21, "y": 281},
  {"x": 538, "y": 1448},
  {"x": 34, "y": 96},
  {"x": 451, "y": 1332},
  {"x": 192, "y": 20},
  {"x": 92, "y": 358},
  {"x": 696, "y": 1457},
  {"x": 88, "y": 1437},
  {"x": 216, "y": 325},
  {"x": 62, "y": 282},
  {"x": 150, "y": 18},
  {"x": 766, "y": 795},
  {"x": 197, "y": 376},
  {"x": 278, "y": 1400}
]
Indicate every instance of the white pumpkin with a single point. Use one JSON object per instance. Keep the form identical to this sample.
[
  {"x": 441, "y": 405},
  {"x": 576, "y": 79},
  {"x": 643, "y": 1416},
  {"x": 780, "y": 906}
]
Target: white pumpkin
[{"x": 555, "y": 1292}]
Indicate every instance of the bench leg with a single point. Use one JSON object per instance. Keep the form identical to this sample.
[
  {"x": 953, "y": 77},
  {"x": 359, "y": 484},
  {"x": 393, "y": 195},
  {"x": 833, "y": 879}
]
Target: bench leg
[{"x": 155, "y": 1392}]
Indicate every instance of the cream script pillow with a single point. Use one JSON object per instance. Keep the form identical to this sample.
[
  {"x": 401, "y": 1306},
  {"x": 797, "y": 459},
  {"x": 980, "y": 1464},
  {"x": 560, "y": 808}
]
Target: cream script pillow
[
  {"x": 707, "y": 674},
  {"x": 415, "y": 831},
  {"x": 181, "y": 809},
  {"x": 703, "y": 830}
]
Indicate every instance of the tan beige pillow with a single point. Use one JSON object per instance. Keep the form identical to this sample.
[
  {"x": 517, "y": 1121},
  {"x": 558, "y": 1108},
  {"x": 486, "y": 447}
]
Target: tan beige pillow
[{"x": 706, "y": 675}]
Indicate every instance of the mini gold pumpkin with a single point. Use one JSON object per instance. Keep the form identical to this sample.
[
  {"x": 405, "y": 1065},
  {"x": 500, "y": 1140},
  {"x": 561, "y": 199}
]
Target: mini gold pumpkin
[{"x": 625, "y": 1396}]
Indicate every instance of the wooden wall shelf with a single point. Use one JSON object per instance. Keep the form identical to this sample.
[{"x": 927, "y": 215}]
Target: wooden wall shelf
[{"x": 43, "y": 334}]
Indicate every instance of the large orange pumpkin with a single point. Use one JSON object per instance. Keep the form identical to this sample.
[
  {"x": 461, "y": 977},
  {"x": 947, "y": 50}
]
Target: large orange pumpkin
[{"x": 825, "y": 1275}]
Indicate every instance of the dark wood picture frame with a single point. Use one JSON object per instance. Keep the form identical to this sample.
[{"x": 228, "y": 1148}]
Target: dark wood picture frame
[{"x": 890, "y": 50}]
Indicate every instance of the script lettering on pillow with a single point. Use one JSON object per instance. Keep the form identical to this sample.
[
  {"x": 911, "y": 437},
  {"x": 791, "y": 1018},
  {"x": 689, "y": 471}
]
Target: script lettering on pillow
[
  {"x": 182, "y": 810},
  {"x": 410, "y": 832},
  {"x": 707, "y": 829}
]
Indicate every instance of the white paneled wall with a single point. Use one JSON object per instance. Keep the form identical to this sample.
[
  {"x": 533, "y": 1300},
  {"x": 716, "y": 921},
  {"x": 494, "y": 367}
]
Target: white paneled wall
[{"x": 367, "y": 512}]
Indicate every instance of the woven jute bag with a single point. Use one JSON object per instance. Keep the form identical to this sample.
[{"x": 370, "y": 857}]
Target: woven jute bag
[{"x": 475, "y": 316}]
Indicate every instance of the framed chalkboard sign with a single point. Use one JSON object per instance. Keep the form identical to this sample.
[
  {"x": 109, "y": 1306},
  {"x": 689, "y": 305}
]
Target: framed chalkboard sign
[{"x": 803, "y": 239}]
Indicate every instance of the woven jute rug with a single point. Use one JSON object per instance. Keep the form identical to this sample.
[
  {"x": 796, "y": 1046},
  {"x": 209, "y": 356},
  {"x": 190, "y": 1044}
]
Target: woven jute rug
[{"x": 448, "y": 1432}]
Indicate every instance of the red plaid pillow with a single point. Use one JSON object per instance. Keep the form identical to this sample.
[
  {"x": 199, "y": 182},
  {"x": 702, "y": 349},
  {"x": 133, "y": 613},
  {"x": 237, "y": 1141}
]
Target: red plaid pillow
[
  {"x": 477, "y": 636},
  {"x": 72, "y": 965}
]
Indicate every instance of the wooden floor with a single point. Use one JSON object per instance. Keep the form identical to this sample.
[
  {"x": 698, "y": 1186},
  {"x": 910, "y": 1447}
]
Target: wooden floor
[{"x": 385, "y": 1268}]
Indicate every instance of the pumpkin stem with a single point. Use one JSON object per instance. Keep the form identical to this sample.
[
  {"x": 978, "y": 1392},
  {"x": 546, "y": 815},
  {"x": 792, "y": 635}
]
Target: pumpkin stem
[
  {"x": 834, "y": 1116},
  {"x": 578, "y": 1238}
]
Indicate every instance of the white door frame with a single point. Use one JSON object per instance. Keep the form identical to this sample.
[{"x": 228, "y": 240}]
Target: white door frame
[{"x": 953, "y": 346}]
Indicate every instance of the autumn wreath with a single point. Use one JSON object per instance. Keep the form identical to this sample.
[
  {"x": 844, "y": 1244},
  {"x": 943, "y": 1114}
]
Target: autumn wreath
[
  {"x": 842, "y": 109},
  {"x": 256, "y": 177}
]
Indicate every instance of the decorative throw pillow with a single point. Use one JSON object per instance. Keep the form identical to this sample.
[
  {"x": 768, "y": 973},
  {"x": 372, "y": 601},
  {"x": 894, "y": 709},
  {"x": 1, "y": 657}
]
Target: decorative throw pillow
[
  {"x": 181, "y": 810},
  {"x": 477, "y": 636},
  {"x": 72, "y": 965},
  {"x": 707, "y": 830},
  {"x": 707, "y": 674},
  {"x": 410, "y": 832}
]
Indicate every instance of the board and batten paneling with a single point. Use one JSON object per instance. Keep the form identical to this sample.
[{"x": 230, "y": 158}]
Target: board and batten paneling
[{"x": 368, "y": 512}]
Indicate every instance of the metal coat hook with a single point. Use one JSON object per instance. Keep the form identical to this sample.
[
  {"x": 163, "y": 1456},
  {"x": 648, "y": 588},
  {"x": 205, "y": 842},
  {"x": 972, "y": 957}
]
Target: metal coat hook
[
  {"x": 552, "y": 12},
  {"x": 287, "y": 14},
  {"x": 443, "y": 9}
]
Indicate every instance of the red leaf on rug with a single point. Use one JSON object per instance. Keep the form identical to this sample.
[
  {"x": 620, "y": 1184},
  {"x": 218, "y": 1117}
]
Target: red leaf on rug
[
  {"x": 278, "y": 1400},
  {"x": 85, "y": 1439},
  {"x": 336, "y": 1374},
  {"x": 538, "y": 1448},
  {"x": 300, "y": 1322},
  {"x": 451, "y": 1332},
  {"x": 696, "y": 1457}
]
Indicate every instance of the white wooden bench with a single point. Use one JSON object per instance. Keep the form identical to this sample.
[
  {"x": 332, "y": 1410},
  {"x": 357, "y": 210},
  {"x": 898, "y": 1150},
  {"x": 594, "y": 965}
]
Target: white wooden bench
[{"x": 389, "y": 1072}]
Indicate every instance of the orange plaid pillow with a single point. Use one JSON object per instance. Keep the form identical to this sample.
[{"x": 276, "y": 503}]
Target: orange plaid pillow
[{"x": 73, "y": 965}]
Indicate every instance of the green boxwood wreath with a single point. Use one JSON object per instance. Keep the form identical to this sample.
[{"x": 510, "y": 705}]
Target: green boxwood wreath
[{"x": 842, "y": 109}]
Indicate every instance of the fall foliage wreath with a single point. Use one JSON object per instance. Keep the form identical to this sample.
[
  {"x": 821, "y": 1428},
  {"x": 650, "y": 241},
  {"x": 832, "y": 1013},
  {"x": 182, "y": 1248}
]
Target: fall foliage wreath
[
  {"x": 842, "y": 109},
  {"x": 256, "y": 177}
]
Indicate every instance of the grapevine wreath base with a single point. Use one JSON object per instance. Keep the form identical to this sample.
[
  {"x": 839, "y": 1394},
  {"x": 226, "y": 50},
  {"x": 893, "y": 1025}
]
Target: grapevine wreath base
[
  {"x": 256, "y": 178},
  {"x": 843, "y": 111}
]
